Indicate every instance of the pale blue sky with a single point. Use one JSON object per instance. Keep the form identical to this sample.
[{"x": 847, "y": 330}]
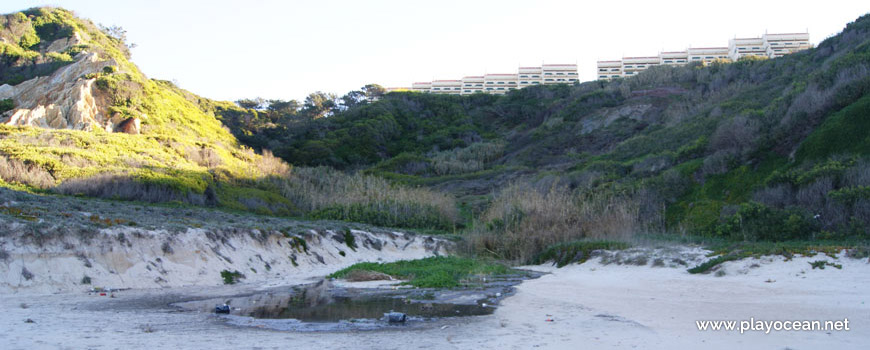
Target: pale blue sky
[{"x": 286, "y": 49}]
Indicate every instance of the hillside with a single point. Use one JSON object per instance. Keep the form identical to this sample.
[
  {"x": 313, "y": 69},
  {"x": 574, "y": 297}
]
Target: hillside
[
  {"x": 755, "y": 150},
  {"x": 79, "y": 118}
]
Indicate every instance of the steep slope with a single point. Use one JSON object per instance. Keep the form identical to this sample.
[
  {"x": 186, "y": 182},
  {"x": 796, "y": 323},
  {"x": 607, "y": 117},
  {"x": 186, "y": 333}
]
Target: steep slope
[
  {"x": 78, "y": 118},
  {"x": 758, "y": 149}
]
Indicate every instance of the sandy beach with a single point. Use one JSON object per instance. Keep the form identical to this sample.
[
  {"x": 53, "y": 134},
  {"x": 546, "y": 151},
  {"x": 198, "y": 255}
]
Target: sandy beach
[{"x": 589, "y": 305}]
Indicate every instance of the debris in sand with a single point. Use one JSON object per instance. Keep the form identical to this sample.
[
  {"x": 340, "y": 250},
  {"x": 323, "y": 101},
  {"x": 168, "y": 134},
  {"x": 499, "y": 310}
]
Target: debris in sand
[
  {"x": 396, "y": 317},
  {"x": 222, "y": 309}
]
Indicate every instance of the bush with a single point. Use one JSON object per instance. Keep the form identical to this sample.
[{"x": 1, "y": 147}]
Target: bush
[
  {"x": 6, "y": 105},
  {"x": 566, "y": 253},
  {"x": 755, "y": 221},
  {"x": 231, "y": 277}
]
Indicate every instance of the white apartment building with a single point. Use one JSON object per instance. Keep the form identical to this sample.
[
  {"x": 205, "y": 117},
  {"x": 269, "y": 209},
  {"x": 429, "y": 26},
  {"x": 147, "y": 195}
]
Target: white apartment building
[
  {"x": 499, "y": 84},
  {"x": 779, "y": 45},
  {"x": 446, "y": 87},
  {"x": 559, "y": 73},
  {"x": 633, "y": 65},
  {"x": 528, "y": 76},
  {"x": 708, "y": 55},
  {"x": 609, "y": 69},
  {"x": 674, "y": 57},
  {"x": 742, "y": 47},
  {"x": 423, "y": 86},
  {"x": 768, "y": 45},
  {"x": 472, "y": 84},
  {"x": 502, "y": 83}
]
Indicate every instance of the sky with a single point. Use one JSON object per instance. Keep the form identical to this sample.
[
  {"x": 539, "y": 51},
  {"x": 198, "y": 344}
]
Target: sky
[{"x": 227, "y": 50}]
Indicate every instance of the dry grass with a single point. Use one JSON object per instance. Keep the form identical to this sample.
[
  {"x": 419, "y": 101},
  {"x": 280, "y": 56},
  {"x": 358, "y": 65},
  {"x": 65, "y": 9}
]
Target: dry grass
[
  {"x": 12, "y": 170},
  {"x": 313, "y": 189},
  {"x": 523, "y": 221}
]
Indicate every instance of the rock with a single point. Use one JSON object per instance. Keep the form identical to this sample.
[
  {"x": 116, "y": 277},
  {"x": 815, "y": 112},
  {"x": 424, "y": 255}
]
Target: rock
[
  {"x": 130, "y": 126},
  {"x": 63, "y": 44},
  {"x": 63, "y": 100}
]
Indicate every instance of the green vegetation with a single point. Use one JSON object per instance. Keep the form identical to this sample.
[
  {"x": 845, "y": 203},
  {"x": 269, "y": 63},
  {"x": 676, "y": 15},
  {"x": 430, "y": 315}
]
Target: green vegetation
[
  {"x": 183, "y": 153},
  {"x": 725, "y": 250},
  {"x": 434, "y": 272},
  {"x": 771, "y": 155},
  {"x": 576, "y": 252},
  {"x": 232, "y": 277},
  {"x": 6, "y": 105},
  {"x": 820, "y": 264}
]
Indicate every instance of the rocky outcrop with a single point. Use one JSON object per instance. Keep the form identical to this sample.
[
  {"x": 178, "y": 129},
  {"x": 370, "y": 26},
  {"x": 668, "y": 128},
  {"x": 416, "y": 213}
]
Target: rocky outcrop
[
  {"x": 130, "y": 126},
  {"x": 63, "y": 100},
  {"x": 63, "y": 44}
]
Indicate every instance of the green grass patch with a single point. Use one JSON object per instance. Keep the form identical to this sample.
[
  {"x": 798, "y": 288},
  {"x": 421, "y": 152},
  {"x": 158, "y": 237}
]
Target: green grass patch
[
  {"x": 578, "y": 251},
  {"x": 434, "y": 272}
]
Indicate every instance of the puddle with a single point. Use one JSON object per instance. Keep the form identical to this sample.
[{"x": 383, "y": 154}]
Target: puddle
[{"x": 322, "y": 307}]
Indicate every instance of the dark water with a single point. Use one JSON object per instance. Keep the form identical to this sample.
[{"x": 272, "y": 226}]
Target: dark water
[
  {"x": 322, "y": 307},
  {"x": 319, "y": 302},
  {"x": 348, "y": 308}
]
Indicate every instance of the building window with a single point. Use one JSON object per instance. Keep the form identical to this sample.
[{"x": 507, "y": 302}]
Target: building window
[
  {"x": 501, "y": 82},
  {"x": 641, "y": 66},
  {"x": 629, "y": 66},
  {"x": 560, "y": 73},
  {"x": 696, "y": 57},
  {"x": 489, "y": 88},
  {"x": 548, "y": 73},
  {"x": 479, "y": 85},
  {"x": 536, "y": 76},
  {"x": 501, "y": 88},
  {"x": 524, "y": 82},
  {"x": 536, "y": 82},
  {"x": 548, "y": 79},
  {"x": 681, "y": 61},
  {"x": 489, "y": 83},
  {"x": 456, "y": 89},
  {"x": 629, "y": 73}
]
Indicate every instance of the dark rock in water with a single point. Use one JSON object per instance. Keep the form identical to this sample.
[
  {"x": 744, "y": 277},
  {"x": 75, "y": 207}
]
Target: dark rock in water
[
  {"x": 395, "y": 317},
  {"x": 222, "y": 309}
]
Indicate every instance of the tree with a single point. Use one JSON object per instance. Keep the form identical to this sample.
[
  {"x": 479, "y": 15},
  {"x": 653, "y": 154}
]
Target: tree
[
  {"x": 374, "y": 91},
  {"x": 353, "y": 99},
  {"x": 251, "y": 103},
  {"x": 319, "y": 104},
  {"x": 283, "y": 107}
]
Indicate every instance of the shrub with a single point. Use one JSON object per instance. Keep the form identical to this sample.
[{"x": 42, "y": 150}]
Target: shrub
[
  {"x": 13, "y": 170},
  {"x": 566, "y": 253},
  {"x": 6, "y": 105},
  {"x": 231, "y": 277},
  {"x": 755, "y": 221}
]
